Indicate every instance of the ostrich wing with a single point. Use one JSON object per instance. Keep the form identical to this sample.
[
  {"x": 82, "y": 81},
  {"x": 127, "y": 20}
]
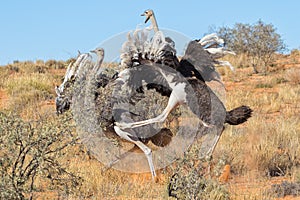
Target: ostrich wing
[{"x": 198, "y": 62}]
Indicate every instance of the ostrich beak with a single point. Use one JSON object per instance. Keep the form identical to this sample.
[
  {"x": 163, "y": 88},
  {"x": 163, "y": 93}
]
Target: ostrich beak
[
  {"x": 93, "y": 51},
  {"x": 148, "y": 17}
]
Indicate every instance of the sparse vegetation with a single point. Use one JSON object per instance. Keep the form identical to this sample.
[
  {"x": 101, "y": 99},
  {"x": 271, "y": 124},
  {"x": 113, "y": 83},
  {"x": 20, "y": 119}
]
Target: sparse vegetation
[{"x": 267, "y": 145}]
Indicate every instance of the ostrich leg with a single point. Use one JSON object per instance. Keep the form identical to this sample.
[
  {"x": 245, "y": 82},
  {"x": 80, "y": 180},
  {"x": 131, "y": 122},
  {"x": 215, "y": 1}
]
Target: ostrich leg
[{"x": 147, "y": 151}]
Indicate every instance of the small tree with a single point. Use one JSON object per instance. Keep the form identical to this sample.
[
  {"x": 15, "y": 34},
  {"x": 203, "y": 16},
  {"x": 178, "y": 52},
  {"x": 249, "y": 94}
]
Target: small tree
[{"x": 258, "y": 41}]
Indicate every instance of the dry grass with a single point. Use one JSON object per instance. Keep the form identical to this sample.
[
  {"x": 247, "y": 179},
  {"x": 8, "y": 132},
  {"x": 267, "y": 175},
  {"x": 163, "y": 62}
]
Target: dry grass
[
  {"x": 100, "y": 183},
  {"x": 28, "y": 85},
  {"x": 28, "y": 91},
  {"x": 268, "y": 143}
]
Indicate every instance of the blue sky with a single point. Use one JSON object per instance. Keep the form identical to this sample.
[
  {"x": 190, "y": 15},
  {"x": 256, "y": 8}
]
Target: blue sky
[{"x": 57, "y": 29}]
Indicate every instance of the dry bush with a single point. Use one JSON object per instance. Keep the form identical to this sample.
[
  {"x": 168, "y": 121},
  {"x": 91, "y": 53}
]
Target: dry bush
[
  {"x": 188, "y": 180},
  {"x": 53, "y": 64},
  {"x": 285, "y": 189},
  {"x": 28, "y": 67},
  {"x": 32, "y": 152},
  {"x": 293, "y": 75},
  {"x": 263, "y": 85},
  {"x": 295, "y": 53},
  {"x": 194, "y": 186}
]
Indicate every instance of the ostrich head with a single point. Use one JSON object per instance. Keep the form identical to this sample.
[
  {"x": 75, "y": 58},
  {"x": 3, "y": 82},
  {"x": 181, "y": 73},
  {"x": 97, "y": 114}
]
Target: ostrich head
[
  {"x": 149, "y": 14},
  {"x": 100, "y": 56},
  {"x": 62, "y": 102},
  {"x": 99, "y": 52},
  {"x": 65, "y": 91}
]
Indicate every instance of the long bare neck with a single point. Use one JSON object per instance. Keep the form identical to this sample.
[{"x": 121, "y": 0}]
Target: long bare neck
[
  {"x": 99, "y": 61},
  {"x": 154, "y": 23}
]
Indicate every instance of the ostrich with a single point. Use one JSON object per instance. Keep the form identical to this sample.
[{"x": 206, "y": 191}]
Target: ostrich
[
  {"x": 64, "y": 91},
  {"x": 198, "y": 62},
  {"x": 196, "y": 67},
  {"x": 91, "y": 94},
  {"x": 150, "y": 65},
  {"x": 187, "y": 86}
]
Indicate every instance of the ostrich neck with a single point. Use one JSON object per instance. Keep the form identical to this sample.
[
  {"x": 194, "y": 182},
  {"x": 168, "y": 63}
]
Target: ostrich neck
[
  {"x": 154, "y": 23},
  {"x": 99, "y": 62}
]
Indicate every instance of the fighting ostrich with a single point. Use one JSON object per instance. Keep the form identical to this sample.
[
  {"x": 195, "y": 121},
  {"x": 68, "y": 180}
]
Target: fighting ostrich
[
  {"x": 196, "y": 66},
  {"x": 88, "y": 90},
  {"x": 64, "y": 91},
  {"x": 150, "y": 64}
]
